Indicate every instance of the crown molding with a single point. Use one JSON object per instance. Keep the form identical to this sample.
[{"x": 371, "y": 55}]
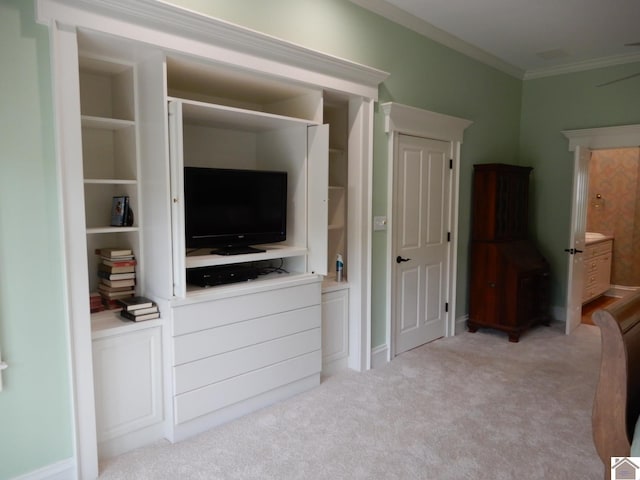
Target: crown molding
[
  {"x": 399, "y": 16},
  {"x": 582, "y": 66},
  {"x": 162, "y": 23}
]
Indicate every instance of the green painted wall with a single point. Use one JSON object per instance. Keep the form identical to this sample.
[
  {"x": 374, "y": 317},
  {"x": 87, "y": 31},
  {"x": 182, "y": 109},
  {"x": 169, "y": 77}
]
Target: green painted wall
[
  {"x": 513, "y": 122},
  {"x": 424, "y": 74},
  {"x": 567, "y": 102},
  {"x": 35, "y": 405}
]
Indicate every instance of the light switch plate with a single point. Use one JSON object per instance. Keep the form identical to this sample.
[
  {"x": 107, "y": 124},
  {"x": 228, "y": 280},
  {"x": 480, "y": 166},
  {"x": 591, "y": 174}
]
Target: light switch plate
[{"x": 379, "y": 223}]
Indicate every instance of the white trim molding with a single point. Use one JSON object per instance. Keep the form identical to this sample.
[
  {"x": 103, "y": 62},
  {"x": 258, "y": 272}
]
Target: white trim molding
[
  {"x": 423, "y": 123},
  {"x": 62, "y": 470},
  {"x": 604, "y": 137},
  {"x": 582, "y": 66},
  {"x": 175, "y": 28}
]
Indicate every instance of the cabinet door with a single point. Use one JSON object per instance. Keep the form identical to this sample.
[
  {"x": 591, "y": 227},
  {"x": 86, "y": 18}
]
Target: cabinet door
[
  {"x": 177, "y": 206},
  {"x": 127, "y": 377},
  {"x": 317, "y": 188},
  {"x": 335, "y": 328}
]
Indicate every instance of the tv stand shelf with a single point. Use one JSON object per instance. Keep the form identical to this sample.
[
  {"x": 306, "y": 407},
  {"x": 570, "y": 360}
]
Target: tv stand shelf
[{"x": 203, "y": 258}]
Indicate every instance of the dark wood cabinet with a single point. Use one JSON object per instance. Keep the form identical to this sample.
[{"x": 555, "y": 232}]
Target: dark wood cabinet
[{"x": 509, "y": 288}]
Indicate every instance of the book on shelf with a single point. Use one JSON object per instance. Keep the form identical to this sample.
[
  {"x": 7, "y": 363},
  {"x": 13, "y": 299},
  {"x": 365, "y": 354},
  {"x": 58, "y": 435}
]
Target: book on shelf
[
  {"x": 112, "y": 252},
  {"x": 129, "y": 282},
  {"x": 129, "y": 262},
  {"x": 117, "y": 295},
  {"x": 111, "y": 303},
  {"x": 136, "y": 303},
  {"x": 142, "y": 311},
  {"x": 102, "y": 267},
  {"x": 103, "y": 288},
  {"x": 139, "y": 318},
  {"x": 95, "y": 302},
  {"x": 116, "y": 276}
]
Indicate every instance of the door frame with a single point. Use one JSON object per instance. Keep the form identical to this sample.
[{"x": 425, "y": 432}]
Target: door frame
[
  {"x": 406, "y": 120},
  {"x": 580, "y": 140}
]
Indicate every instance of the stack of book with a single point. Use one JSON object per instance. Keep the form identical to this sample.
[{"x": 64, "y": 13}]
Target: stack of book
[
  {"x": 116, "y": 274},
  {"x": 138, "y": 309},
  {"x": 95, "y": 300}
]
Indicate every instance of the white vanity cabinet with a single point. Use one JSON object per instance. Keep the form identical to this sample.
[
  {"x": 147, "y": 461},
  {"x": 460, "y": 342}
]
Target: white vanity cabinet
[{"x": 597, "y": 268}]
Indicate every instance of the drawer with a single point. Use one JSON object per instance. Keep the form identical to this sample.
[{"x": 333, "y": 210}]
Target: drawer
[
  {"x": 590, "y": 265},
  {"x": 214, "y": 341},
  {"x": 202, "y": 401},
  {"x": 193, "y": 375},
  {"x": 214, "y": 313},
  {"x": 598, "y": 249}
]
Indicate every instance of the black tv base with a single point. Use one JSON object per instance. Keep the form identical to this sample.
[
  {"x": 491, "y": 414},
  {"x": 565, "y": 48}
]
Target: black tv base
[
  {"x": 220, "y": 275},
  {"x": 237, "y": 250}
]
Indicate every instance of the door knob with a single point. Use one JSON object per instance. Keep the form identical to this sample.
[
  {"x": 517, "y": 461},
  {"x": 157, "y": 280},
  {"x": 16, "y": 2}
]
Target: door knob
[{"x": 399, "y": 259}]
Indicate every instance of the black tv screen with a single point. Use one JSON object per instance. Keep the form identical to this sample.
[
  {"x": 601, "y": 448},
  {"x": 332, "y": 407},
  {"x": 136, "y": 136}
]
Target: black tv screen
[{"x": 228, "y": 209}]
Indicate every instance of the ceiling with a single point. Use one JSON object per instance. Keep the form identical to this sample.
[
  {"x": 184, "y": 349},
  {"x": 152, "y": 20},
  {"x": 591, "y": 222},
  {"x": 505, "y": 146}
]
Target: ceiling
[{"x": 526, "y": 38}]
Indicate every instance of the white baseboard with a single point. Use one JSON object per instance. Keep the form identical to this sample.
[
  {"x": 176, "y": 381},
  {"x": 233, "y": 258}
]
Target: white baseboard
[
  {"x": 62, "y": 470},
  {"x": 379, "y": 356},
  {"x": 461, "y": 325}
]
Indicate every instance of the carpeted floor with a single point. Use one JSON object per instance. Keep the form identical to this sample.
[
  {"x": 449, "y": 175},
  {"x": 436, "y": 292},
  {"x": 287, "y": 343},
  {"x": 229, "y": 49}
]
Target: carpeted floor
[{"x": 469, "y": 407}]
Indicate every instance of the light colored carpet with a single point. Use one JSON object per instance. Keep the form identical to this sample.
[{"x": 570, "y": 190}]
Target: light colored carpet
[{"x": 469, "y": 407}]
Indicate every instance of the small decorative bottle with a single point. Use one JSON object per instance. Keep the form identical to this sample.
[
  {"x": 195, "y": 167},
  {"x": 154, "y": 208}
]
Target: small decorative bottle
[{"x": 339, "y": 268}]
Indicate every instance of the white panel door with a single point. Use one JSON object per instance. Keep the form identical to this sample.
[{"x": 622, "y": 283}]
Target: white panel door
[
  {"x": 578, "y": 228},
  {"x": 421, "y": 246}
]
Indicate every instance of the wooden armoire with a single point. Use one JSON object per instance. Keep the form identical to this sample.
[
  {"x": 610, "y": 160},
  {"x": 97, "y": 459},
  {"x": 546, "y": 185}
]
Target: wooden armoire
[{"x": 509, "y": 287}]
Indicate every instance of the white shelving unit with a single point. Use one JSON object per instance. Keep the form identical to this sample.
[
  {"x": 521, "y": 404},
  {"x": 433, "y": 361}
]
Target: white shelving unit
[
  {"x": 110, "y": 160},
  {"x": 335, "y": 295},
  {"x": 201, "y": 93}
]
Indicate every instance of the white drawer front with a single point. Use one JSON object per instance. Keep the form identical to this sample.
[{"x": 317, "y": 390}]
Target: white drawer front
[
  {"x": 191, "y": 376},
  {"x": 213, "y": 397},
  {"x": 214, "y": 313},
  {"x": 214, "y": 341}
]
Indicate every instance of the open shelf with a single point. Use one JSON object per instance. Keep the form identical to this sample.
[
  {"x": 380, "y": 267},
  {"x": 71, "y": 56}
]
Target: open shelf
[
  {"x": 231, "y": 118},
  {"x": 202, "y": 257},
  {"x": 109, "y": 322}
]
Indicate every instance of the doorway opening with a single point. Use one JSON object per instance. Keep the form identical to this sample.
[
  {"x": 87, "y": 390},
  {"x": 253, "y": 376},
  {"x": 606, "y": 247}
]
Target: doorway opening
[
  {"x": 613, "y": 211},
  {"x": 582, "y": 143}
]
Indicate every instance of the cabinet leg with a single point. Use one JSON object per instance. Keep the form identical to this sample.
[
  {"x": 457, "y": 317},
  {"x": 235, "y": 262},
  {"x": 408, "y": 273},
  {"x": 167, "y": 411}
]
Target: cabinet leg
[
  {"x": 472, "y": 328},
  {"x": 514, "y": 337}
]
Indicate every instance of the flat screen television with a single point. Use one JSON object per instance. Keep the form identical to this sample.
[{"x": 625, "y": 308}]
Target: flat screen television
[{"x": 229, "y": 210}]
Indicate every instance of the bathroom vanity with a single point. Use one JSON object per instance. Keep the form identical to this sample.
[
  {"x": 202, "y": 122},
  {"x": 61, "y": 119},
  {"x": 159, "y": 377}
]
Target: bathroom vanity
[{"x": 597, "y": 265}]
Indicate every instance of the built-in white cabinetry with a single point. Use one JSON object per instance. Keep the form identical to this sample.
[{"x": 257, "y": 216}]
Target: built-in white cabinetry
[
  {"x": 160, "y": 88},
  {"x": 335, "y": 329},
  {"x": 110, "y": 160},
  {"x": 597, "y": 269},
  {"x": 214, "y": 135},
  {"x": 127, "y": 367},
  {"x": 239, "y": 349},
  {"x": 127, "y": 357},
  {"x": 335, "y": 295}
]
